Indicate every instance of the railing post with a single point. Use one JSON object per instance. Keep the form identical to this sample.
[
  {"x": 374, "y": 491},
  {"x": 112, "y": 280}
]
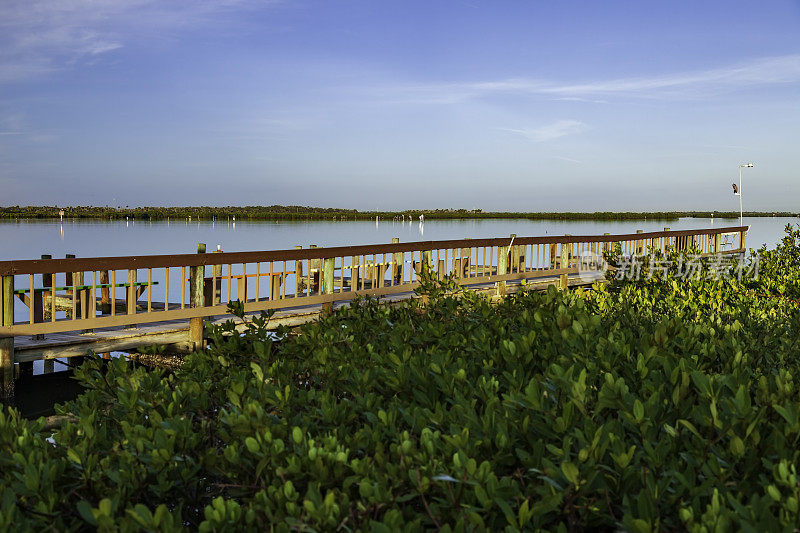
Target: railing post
[
  {"x": 105, "y": 294},
  {"x": 315, "y": 271},
  {"x": 196, "y": 299},
  {"x": 329, "y": 268},
  {"x": 7, "y": 343},
  {"x": 717, "y": 243},
  {"x": 606, "y": 244},
  {"x": 131, "y": 294},
  {"x": 427, "y": 259},
  {"x": 639, "y": 244},
  {"x": 502, "y": 260},
  {"x": 513, "y": 254},
  {"x": 742, "y": 235},
  {"x": 427, "y": 263},
  {"x": 298, "y": 275},
  {"x": 668, "y": 241},
  {"x": 397, "y": 259},
  {"x": 565, "y": 247},
  {"x": 502, "y": 268}
]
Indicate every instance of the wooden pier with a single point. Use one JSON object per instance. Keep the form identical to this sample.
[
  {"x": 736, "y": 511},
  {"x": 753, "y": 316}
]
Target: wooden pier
[{"x": 56, "y": 308}]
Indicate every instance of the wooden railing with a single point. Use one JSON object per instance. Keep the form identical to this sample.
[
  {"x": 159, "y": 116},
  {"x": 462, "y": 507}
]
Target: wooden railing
[{"x": 83, "y": 294}]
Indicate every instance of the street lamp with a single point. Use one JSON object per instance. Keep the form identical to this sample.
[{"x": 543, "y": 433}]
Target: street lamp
[{"x": 739, "y": 192}]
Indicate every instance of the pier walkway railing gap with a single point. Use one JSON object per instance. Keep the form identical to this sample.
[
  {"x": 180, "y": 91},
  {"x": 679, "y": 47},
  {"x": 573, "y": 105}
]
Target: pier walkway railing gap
[{"x": 43, "y": 297}]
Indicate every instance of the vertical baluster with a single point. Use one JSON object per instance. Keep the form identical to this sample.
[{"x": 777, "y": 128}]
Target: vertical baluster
[
  {"x": 230, "y": 280},
  {"x": 271, "y": 283},
  {"x": 93, "y": 300},
  {"x": 31, "y": 292},
  {"x": 285, "y": 281},
  {"x": 308, "y": 277},
  {"x": 258, "y": 277},
  {"x": 113, "y": 292}
]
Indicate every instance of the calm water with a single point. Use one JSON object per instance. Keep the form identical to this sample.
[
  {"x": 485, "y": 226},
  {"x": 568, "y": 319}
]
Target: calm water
[{"x": 28, "y": 239}]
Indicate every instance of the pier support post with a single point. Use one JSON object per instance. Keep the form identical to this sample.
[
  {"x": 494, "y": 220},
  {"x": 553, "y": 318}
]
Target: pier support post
[
  {"x": 502, "y": 268},
  {"x": 397, "y": 267},
  {"x": 314, "y": 267},
  {"x": 196, "y": 299},
  {"x": 427, "y": 263},
  {"x": 7, "y": 343},
  {"x": 466, "y": 261},
  {"x": 564, "y": 263},
  {"x": 427, "y": 259},
  {"x": 502, "y": 260},
  {"x": 328, "y": 266}
]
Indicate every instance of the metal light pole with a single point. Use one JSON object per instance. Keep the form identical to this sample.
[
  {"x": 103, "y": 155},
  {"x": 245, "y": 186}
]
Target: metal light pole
[{"x": 743, "y": 165}]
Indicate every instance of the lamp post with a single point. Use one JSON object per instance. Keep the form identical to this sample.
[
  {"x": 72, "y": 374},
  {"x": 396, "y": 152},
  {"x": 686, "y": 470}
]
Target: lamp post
[{"x": 743, "y": 165}]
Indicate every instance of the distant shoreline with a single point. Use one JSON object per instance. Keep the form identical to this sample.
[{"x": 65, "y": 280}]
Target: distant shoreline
[{"x": 279, "y": 212}]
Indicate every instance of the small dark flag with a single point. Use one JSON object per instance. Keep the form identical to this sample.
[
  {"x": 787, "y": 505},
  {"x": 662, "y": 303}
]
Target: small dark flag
[{"x": 735, "y": 188}]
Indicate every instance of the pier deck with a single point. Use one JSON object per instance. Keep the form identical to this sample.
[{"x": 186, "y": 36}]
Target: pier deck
[{"x": 55, "y": 308}]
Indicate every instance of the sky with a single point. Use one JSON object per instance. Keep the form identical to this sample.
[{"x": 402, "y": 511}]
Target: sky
[{"x": 376, "y": 104}]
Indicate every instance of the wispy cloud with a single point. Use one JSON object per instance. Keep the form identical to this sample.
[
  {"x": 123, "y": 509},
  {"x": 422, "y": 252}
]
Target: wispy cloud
[
  {"x": 759, "y": 72},
  {"x": 549, "y": 132},
  {"x": 38, "y": 37}
]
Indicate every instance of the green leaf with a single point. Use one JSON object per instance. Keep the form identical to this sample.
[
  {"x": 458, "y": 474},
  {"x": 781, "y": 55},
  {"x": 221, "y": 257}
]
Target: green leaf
[
  {"x": 252, "y": 444},
  {"x": 85, "y": 510},
  {"x": 638, "y": 410},
  {"x": 570, "y": 472}
]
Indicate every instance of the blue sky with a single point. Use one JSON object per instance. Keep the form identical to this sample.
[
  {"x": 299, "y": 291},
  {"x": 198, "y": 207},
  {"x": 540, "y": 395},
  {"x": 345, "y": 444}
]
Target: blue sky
[{"x": 524, "y": 106}]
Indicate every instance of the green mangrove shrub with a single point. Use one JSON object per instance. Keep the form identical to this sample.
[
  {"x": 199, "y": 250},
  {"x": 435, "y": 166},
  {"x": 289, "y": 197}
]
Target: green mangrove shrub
[{"x": 657, "y": 404}]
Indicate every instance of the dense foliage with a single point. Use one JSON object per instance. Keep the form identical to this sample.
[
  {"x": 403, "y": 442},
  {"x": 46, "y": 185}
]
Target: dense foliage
[
  {"x": 661, "y": 403},
  {"x": 294, "y": 212}
]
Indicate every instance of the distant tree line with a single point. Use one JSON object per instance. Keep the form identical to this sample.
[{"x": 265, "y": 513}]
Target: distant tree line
[{"x": 296, "y": 212}]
